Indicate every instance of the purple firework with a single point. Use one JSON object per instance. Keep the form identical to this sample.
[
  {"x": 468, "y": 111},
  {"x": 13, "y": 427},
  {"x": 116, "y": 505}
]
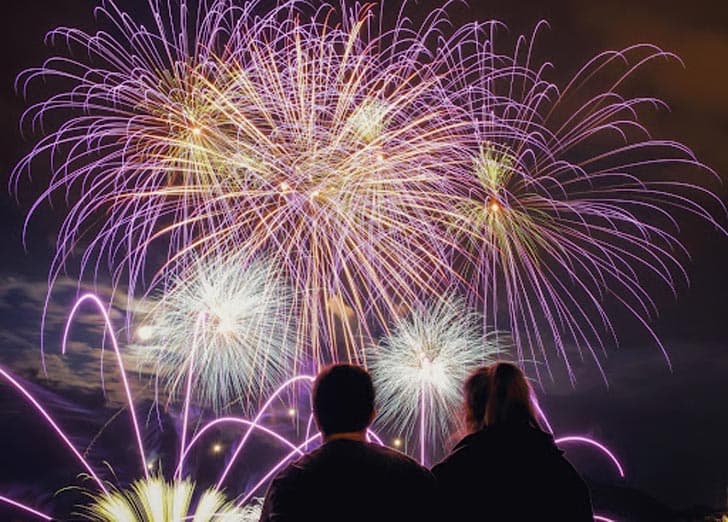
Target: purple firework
[{"x": 563, "y": 200}]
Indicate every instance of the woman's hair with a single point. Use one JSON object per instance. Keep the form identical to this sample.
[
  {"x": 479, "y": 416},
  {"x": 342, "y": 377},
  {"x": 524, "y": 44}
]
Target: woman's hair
[
  {"x": 510, "y": 399},
  {"x": 476, "y": 391}
]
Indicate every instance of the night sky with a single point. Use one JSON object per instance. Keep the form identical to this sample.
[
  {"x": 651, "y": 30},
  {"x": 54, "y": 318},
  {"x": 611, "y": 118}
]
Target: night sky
[{"x": 670, "y": 428}]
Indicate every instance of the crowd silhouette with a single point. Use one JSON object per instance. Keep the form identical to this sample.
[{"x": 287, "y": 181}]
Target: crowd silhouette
[{"x": 505, "y": 469}]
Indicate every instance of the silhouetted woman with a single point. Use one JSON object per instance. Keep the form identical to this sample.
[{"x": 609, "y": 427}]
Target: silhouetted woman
[{"x": 507, "y": 468}]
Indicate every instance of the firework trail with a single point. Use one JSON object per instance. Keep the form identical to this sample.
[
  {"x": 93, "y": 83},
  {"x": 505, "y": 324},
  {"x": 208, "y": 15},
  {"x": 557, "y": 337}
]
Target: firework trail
[
  {"x": 564, "y": 201},
  {"x": 23, "y": 507},
  {"x": 226, "y": 325},
  {"x": 419, "y": 369},
  {"x": 577, "y": 439}
]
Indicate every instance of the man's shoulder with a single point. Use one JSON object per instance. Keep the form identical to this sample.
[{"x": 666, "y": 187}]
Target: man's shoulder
[
  {"x": 397, "y": 460},
  {"x": 356, "y": 478},
  {"x": 368, "y": 458},
  {"x": 392, "y": 454},
  {"x": 296, "y": 471}
]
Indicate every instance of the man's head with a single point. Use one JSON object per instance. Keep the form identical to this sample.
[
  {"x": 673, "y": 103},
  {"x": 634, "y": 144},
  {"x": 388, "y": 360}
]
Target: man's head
[{"x": 343, "y": 399}]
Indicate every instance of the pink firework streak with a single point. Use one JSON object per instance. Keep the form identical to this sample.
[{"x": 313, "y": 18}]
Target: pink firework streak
[
  {"x": 25, "y": 508},
  {"x": 575, "y": 439},
  {"x": 579, "y": 439}
]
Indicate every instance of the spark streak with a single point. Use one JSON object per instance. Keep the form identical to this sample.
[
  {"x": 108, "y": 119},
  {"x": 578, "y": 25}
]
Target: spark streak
[
  {"x": 25, "y": 508},
  {"x": 591, "y": 442},
  {"x": 120, "y": 364},
  {"x": 64, "y": 438}
]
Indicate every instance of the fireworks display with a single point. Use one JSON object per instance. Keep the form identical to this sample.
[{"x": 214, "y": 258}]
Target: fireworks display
[
  {"x": 287, "y": 187},
  {"x": 371, "y": 170},
  {"x": 311, "y": 143}
]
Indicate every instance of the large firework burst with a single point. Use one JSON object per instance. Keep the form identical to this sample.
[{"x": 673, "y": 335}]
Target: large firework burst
[
  {"x": 374, "y": 167},
  {"x": 316, "y": 143},
  {"x": 225, "y": 328}
]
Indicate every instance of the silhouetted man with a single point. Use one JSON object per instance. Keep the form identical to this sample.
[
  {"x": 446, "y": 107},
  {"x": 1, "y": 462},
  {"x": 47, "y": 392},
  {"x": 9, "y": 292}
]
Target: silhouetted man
[{"x": 348, "y": 478}]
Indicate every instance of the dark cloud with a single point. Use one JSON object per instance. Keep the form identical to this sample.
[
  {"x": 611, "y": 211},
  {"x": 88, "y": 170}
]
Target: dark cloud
[{"x": 84, "y": 367}]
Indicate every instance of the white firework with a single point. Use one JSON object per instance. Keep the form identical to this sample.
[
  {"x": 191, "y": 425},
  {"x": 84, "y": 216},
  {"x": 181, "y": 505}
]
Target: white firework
[
  {"x": 229, "y": 322},
  {"x": 154, "y": 500},
  {"x": 420, "y": 368}
]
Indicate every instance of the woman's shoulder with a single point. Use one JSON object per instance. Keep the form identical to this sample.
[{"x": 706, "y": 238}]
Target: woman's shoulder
[
  {"x": 472, "y": 442},
  {"x": 462, "y": 453},
  {"x": 521, "y": 434}
]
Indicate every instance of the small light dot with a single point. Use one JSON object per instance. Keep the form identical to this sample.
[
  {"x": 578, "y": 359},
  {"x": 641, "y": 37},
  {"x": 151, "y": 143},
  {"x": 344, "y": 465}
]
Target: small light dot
[
  {"x": 284, "y": 187},
  {"x": 145, "y": 332},
  {"x": 291, "y": 412},
  {"x": 397, "y": 443},
  {"x": 380, "y": 158},
  {"x": 217, "y": 447},
  {"x": 196, "y": 131}
]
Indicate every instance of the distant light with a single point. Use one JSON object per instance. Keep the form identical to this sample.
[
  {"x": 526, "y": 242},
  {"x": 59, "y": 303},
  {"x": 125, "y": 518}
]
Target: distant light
[
  {"x": 150, "y": 465},
  {"x": 145, "y": 332},
  {"x": 196, "y": 131},
  {"x": 216, "y": 448},
  {"x": 284, "y": 187},
  {"x": 291, "y": 412},
  {"x": 397, "y": 443},
  {"x": 380, "y": 158},
  {"x": 494, "y": 206}
]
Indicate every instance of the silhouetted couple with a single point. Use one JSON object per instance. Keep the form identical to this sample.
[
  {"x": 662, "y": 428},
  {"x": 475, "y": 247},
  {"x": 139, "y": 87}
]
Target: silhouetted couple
[{"x": 506, "y": 469}]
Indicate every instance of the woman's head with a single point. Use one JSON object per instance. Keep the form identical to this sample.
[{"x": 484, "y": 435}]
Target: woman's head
[
  {"x": 476, "y": 389},
  {"x": 510, "y": 396}
]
